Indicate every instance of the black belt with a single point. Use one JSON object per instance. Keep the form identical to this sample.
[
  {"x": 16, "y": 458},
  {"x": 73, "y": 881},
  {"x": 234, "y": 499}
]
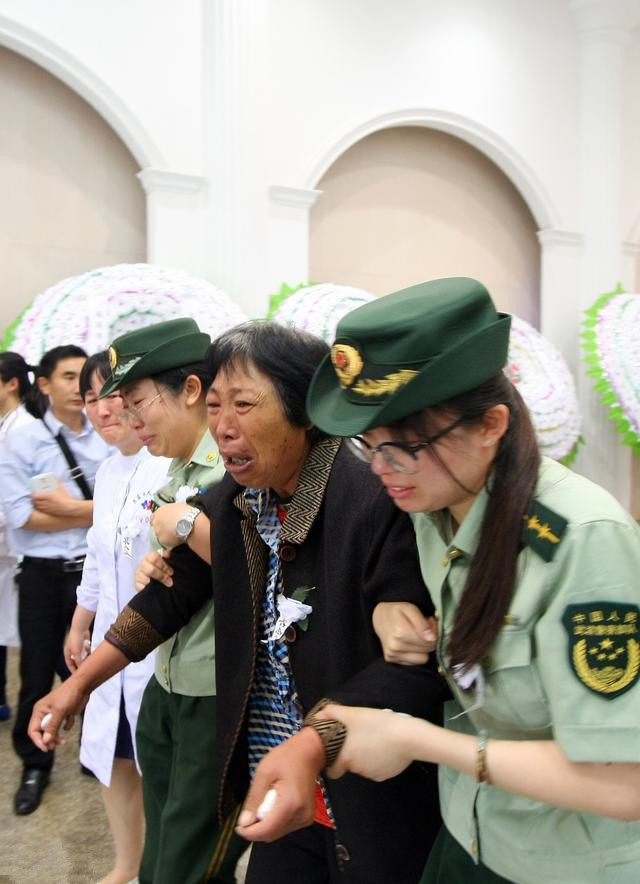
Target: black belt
[{"x": 67, "y": 566}]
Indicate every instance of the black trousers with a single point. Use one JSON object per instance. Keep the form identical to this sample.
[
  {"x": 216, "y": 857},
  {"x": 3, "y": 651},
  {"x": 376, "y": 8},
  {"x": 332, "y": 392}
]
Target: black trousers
[
  {"x": 307, "y": 856},
  {"x": 46, "y": 602}
]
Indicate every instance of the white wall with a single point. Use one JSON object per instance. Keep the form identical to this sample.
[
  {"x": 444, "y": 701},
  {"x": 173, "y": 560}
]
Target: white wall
[
  {"x": 510, "y": 66},
  {"x": 143, "y": 58}
]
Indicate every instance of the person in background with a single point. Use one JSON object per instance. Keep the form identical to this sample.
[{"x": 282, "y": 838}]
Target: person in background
[
  {"x": 534, "y": 573},
  {"x": 14, "y": 386},
  {"x": 117, "y": 540},
  {"x": 48, "y": 528}
]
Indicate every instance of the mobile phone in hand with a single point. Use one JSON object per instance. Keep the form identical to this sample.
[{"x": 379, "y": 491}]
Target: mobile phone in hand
[{"x": 44, "y": 482}]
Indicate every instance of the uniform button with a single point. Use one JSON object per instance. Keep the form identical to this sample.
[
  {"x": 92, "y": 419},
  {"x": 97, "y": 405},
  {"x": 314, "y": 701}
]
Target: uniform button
[
  {"x": 445, "y": 561},
  {"x": 287, "y": 552},
  {"x": 342, "y": 853},
  {"x": 164, "y": 667},
  {"x": 166, "y": 682},
  {"x": 474, "y": 847},
  {"x": 290, "y": 634},
  {"x": 440, "y": 670}
]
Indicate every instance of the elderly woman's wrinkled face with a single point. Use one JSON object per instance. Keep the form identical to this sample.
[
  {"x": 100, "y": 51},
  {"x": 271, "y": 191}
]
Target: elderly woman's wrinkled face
[{"x": 258, "y": 444}]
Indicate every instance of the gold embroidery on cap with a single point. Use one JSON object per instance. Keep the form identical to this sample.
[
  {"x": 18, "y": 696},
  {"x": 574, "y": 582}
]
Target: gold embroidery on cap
[
  {"x": 347, "y": 363},
  {"x": 113, "y": 358},
  {"x": 383, "y": 386}
]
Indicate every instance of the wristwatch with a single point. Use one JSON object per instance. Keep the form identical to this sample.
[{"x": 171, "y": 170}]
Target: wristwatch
[{"x": 184, "y": 525}]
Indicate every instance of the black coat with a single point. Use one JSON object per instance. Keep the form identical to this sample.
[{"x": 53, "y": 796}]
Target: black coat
[{"x": 344, "y": 537}]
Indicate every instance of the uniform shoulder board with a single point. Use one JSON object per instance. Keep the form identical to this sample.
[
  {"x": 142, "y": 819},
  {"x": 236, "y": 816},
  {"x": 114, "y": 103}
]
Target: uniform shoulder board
[{"x": 543, "y": 530}]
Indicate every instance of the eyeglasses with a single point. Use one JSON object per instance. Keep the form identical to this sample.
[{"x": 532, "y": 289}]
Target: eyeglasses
[
  {"x": 135, "y": 411},
  {"x": 400, "y": 456}
]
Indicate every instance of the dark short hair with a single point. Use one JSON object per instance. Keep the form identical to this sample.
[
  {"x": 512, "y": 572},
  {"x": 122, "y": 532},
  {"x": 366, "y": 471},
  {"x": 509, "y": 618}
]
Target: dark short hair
[
  {"x": 13, "y": 365},
  {"x": 98, "y": 363},
  {"x": 35, "y": 401},
  {"x": 49, "y": 361},
  {"x": 287, "y": 356}
]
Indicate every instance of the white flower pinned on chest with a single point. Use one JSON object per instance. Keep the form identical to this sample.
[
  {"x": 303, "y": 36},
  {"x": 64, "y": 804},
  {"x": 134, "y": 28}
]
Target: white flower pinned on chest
[
  {"x": 470, "y": 679},
  {"x": 184, "y": 492},
  {"x": 292, "y": 609}
]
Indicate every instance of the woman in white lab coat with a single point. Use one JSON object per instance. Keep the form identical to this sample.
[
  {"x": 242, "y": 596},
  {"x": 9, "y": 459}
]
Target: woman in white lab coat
[
  {"x": 14, "y": 386},
  {"x": 118, "y": 539}
]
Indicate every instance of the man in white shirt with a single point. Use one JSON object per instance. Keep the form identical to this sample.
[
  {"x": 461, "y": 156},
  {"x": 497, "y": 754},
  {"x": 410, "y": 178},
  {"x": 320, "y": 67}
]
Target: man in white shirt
[{"x": 48, "y": 529}]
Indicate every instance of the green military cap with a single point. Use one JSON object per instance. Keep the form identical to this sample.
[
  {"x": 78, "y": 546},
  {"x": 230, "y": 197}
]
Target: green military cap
[
  {"x": 147, "y": 351},
  {"x": 408, "y": 350}
]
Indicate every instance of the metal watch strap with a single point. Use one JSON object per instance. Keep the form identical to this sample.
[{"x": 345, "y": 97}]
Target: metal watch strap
[
  {"x": 332, "y": 733},
  {"x": 190, "y": 516}
]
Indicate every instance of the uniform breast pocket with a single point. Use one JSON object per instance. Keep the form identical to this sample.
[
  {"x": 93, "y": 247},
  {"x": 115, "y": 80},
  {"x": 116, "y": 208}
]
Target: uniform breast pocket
[{"x": 514, "y": 692}]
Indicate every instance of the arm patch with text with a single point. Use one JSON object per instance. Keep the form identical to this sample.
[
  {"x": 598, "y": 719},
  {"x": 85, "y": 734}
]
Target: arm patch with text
[{"x": 604, "y": 652}]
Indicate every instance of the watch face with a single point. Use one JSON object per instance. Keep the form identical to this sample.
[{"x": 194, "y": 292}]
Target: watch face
[{"x": 183, "y": 527}]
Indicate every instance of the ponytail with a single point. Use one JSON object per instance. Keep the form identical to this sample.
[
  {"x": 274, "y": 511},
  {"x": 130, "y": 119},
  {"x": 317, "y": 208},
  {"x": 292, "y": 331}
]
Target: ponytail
[
  {"x": 12, "y": 365},
  {"x": 480, "y": 613}
]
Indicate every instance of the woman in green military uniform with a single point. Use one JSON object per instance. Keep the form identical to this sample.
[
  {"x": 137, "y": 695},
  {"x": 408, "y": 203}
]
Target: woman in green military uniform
[
  {"x": 162, "y": 375},
  {"x": 533, "y": 571}
]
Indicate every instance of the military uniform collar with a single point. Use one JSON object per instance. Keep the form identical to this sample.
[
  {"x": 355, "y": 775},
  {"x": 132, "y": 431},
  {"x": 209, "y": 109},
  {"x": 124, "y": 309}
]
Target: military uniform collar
[
  {"x": 465, "y": 540},
  {"x": 543, "y": 533},
  {"x": 205, "y": 455}
]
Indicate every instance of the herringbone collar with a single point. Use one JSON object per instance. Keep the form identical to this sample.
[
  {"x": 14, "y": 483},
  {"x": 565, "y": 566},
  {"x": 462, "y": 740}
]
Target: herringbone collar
[{"x": 309, "y": 494}]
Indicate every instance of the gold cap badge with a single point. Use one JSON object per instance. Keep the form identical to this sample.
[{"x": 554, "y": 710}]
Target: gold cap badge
[
  {"x": 113, "y": 358},
  {"x": 347, "y": 363}
]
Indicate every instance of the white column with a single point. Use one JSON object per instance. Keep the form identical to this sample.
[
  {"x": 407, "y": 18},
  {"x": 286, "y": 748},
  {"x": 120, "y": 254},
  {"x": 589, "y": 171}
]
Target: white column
[
  {"x": 560, "y": 257},
  {"x": 235, "y": 90},
  {"x": 176, "y": 206},
  {"x": 289, "y": 234},
  {"x": 604, "y": 31}
]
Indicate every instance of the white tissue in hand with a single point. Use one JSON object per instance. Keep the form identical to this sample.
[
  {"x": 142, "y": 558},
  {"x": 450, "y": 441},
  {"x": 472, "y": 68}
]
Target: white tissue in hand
[{"x": 267, "y": 803}]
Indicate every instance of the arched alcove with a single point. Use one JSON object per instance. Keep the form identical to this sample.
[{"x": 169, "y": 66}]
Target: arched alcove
[
  {"x": 409, "y": 203},
  {"x": 71, "y": 200}
]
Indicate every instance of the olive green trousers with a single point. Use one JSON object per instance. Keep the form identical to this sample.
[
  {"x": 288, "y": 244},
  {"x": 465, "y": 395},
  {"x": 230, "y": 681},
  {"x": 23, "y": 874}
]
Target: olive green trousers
[{"x": 184, "y": 841}]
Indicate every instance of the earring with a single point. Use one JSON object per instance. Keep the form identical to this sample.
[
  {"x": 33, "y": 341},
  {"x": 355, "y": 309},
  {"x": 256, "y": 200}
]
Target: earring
[{"x": 488, "y": 441}]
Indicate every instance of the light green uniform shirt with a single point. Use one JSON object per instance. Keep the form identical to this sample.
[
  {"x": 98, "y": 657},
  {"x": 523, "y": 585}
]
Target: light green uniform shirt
[
  {"x": 185, "y": 663},
  {"x": 574, "y": 681}
]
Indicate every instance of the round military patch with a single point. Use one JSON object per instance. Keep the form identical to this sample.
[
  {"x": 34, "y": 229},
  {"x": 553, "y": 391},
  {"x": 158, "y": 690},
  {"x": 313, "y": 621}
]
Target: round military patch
[
  {"x": 604, "y": 652},
  {"x": 347, "y": 363}
]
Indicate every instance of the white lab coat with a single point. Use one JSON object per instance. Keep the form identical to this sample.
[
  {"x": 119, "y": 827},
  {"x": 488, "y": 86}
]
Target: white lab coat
[
  {"x": 117, "y": 541},
  {"x": 9, "y": 561}
]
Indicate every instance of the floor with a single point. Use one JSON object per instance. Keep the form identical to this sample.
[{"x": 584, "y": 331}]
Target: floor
[{"x": 67, "y": 840}]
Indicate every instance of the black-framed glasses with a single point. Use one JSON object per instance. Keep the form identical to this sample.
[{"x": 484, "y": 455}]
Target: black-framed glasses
[{"x": 400, "y": 456}]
